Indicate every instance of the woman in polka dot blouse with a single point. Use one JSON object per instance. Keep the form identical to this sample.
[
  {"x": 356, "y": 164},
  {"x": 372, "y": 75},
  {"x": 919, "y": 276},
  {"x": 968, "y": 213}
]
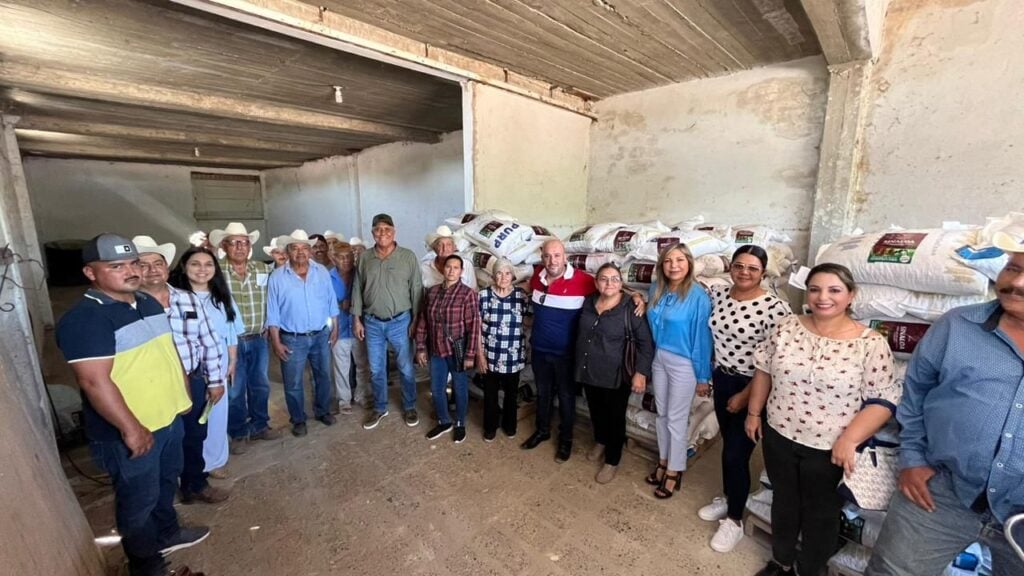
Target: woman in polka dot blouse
[
  {"x": 743, "y": 315},
  {"x": 825, "y": 383}
]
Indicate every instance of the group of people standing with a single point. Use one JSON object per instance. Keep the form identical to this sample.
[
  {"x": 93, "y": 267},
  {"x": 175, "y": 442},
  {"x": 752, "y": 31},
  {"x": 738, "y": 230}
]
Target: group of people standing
[{"x": 813, "y": 387}]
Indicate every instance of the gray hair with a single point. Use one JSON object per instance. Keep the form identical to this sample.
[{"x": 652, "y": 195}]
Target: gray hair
[{"x": 503, "y": 263}]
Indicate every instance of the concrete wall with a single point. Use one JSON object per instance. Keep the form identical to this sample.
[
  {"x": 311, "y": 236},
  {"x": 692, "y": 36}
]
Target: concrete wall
[
  {"x": 738, "y": 149},
  {"x": 945, "y": 131},
  {"x": 82, "y": 198},
  {"x": 529, "y": 159},
  {"x": 417, "y": 184}
]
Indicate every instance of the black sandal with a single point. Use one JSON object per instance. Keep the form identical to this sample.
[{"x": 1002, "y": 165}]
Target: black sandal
[
  {"x": 655, "y": 478},
  {"x": 663, "y": 491}
]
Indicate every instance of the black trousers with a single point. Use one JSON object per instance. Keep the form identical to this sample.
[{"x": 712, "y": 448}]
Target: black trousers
[
  {"x": 507, "y": 412},
  {"x": 553, "y": 374},
  {"x": 736, "y": 446},
  {"x": 805, "y": 503},
  {"x": 608, "y": 415},
  {"x": 193, "y": 479}
]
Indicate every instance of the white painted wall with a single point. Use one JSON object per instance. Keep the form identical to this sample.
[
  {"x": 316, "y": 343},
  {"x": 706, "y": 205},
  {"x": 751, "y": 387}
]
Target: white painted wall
[
  {"x": 529, "y": 159},
  {"x": 945, "y": 133},
  {"x": 82, "y": 198},
  {"x": 738, "y": 149},
  {"x": 419, "y": 185}
]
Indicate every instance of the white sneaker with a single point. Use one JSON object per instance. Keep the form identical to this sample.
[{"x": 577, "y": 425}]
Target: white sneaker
[
  {"x": 717, "y": 510},
  {"x": 728, "y": 535}
]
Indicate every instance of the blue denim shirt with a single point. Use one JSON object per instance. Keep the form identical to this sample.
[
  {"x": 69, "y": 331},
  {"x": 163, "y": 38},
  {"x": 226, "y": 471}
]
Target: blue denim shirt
[
  {"x": 342, "y": 292},
  {"x": 963, "y": 408},
  {"x": 297, "y": 305}
]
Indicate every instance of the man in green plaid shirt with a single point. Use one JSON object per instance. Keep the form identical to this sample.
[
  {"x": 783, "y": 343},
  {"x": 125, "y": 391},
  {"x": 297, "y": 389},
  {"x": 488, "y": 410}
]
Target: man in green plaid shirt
[{"x": 248, "y": 417}]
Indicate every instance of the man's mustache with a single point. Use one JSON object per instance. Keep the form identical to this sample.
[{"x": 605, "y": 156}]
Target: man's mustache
[
  {"x": 132, "y": 278},
  {"x": 1011, "y": 291}
]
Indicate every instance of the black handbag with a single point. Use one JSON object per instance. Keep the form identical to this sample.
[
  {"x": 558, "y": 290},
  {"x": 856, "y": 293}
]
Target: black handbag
[{"x": 629, "y": 355}]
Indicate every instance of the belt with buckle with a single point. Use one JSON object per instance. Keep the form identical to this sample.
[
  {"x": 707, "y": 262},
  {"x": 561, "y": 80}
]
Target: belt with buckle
[
  {"x": 251, "y": 336},
  {"x": 310, "y": 333},
  {"x": 379, "y": 319}
]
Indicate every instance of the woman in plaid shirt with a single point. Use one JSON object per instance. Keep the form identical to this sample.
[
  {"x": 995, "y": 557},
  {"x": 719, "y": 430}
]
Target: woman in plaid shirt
[
  {"x": 502, "y": 349},
  {"x": 450, "y": 320}
]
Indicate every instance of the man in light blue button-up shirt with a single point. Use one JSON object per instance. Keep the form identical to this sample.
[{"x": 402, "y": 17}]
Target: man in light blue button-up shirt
[
  {"x": 962, "y": 438},
  {"x": 302, "y": 320}
]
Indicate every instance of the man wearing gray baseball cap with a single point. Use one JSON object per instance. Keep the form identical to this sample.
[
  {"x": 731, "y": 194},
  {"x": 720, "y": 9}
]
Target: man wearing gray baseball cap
[{"x": 119, "y": 345}]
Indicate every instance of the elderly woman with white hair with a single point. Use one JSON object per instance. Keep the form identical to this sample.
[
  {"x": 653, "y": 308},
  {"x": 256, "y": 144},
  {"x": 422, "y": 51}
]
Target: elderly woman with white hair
[
  {"x": 502, "y": 354},
  {"x": 442, "y": 243}
]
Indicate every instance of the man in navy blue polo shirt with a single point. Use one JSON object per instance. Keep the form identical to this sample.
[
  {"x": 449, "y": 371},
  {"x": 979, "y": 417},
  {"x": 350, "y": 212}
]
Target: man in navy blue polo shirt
[{"x": 119, "y": 345}]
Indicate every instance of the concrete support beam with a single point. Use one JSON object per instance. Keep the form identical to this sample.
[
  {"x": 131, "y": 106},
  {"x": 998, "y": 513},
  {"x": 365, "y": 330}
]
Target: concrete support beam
[
  {"x": 307, "y": 21},
  {"x": 19, "y": 231},
  {"x": 842, "y": 145},
  {"x": 842, "y": 27},
  {"x": 84, "y": 128},
  {"x": 82, "y": 86}
]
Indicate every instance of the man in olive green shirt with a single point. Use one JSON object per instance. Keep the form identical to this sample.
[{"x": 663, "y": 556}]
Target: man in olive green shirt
[{"x": 385, "y": 302}]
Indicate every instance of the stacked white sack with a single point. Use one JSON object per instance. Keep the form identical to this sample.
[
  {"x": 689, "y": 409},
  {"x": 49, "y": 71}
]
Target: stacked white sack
[{"x": 486, "y": 236}]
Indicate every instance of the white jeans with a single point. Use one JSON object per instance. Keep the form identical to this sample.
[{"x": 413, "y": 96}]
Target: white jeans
[
  {"x": 674, "y": 386},
  {"x": 342, "y": 353}
]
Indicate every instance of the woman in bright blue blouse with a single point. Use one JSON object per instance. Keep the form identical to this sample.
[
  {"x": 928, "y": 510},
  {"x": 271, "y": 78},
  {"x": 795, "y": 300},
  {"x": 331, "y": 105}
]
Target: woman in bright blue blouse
[{"x": 678, "y": 311}]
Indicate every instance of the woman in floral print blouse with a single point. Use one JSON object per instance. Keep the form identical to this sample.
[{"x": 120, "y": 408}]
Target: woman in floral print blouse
[{"x": 826, "y": 384}]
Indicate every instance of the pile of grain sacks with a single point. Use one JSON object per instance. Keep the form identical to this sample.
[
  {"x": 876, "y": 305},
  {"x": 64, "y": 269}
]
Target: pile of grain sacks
[{"x": 484, "y": 237}]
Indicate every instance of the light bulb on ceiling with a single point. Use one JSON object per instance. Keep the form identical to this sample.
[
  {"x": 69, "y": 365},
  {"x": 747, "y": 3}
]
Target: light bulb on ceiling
[
  {"x": 338, "y": 99},
  {"x": 195, "y": 151}
]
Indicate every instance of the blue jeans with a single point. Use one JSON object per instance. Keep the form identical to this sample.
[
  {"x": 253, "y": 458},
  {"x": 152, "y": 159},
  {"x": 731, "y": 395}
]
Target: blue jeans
[
  {"x": 250, "y": 392},
  {"x": 144, "y": 489},
  {"x": 439, "y": 370},
  {"x": 193, "y": 478},
  {"x": 913, "y": 541},
  {"x": 553, "y": 374},
  {"x": 378, "y": 335},
  {"x": 315, "y": 349}
]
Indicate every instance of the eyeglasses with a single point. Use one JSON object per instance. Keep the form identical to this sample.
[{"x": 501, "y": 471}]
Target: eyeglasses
[
  {"x": 238, "y": 243},
  {"x": 743, "y": 267},
  {"x": 607, "y": 280}
]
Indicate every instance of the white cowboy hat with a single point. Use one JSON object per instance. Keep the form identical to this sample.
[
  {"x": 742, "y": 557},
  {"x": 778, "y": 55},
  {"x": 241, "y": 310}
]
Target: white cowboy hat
[
  {"x": 197, "y": 238},
  {"x": 331, "y": 234},
  {"x": 443, "y": 231},
  {"x": 233, "y": 229},
  {"x": 356, "y": 241},
  {"x": 273, "y": 246},
  {"x": 146, "y": 244},
  {"x": 298, "y": 236},
  {"x": 1009, "y": 239}
]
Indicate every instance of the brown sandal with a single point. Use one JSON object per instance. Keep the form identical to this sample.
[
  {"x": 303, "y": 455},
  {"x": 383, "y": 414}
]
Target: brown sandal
[
  {"x": 658, "y": 476},
  {"x": 663, "y": 491}
]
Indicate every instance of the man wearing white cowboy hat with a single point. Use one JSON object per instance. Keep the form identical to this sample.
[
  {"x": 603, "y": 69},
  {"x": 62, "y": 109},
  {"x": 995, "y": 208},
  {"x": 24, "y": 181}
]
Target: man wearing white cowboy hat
[
  {"x": 302, "y": 317},
  {"x": 385, "y": 302},
  {"x": 442, "y": 244},
  {"x": 962, "y": 424},
  {"x": 196, "y": 341},
  {"x": 276, "y": 252},
  {"x": 248, "y": 417}
]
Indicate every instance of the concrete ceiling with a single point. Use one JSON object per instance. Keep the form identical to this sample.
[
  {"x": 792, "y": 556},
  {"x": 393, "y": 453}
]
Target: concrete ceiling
[
  {"x": 151, "y": 81},
  {"x": 599, "y": 48}
]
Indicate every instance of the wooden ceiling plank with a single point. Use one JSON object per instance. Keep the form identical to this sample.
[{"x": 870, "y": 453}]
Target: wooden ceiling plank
[
  {"x": 697, "y": 18},
  {"x": 72, "y": 84},
  {"x": 619, "y": 32},
  {"x": 31, "y": 137},
  {"x": 66, "y": 151},
  {"x": 63, "y": 126},
  {"x": 499, "y": 43},
  {"x": 759, "y": 25},
  {"x": 841, "y": 27}
]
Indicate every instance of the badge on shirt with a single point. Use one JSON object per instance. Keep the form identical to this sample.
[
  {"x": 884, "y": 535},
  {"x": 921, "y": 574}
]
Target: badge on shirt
[{"x": 261, "y": 279}]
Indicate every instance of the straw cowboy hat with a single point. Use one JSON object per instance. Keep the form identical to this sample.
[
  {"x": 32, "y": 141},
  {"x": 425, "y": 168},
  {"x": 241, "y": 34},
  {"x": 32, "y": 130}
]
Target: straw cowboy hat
[
  {"x": 233, "y": 229},
  {"x": 332, "y": 235},
  {"x": 356, "y": 241},
  {"x": 146, "y": 244},
  {"x": 273, "y": 246},
  {"x": 1009, "y": 239},
  {"x": 443, "y": 231},
  {"x": 298, "y": 236}
]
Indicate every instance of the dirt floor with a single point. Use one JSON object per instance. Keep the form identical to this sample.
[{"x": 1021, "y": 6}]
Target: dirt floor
[{"x": 344, "y": 500}]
